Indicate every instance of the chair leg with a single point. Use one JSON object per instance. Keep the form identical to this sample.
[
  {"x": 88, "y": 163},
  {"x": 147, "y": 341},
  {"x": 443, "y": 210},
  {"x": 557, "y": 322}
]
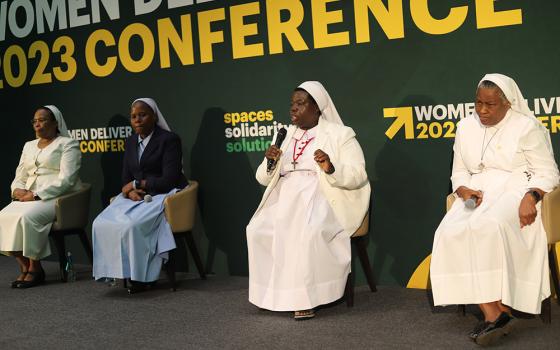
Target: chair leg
[
  {"x": 195, "y": 255},
  {"x": 546, "y": 315},
  {"x": 361, "y": 245},
  {"x": 554, "y": 271},
  {"x": 58, "y": 238},
  {"x": 86, "y": 244},
  {"x": 462, "y": 309},
  {"x": 349, "y": 290},
  {"x": 170, "y": 269}
]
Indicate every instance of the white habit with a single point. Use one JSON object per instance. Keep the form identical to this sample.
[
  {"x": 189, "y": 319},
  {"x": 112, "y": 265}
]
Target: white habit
[
  {"x": 483, "y": 255},
  {"x": 299, "y": 237}
]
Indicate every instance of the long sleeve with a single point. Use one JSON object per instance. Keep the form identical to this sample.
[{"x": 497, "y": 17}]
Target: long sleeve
[
  {"x": 541, "y": 163},
  {"x": 127, "y": 175},
  {"x": 262, "y": 176},
  {"x": 460, "y": 175},
  {"x": 70, "y": 162},
  {"x": 171, "y": 168},
  {"x": 350, "y": 172},
  {"x": 21, "y": 175}
]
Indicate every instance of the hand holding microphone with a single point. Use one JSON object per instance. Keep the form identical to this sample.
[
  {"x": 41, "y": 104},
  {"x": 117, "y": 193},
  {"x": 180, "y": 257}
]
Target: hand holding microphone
[
  {"x": 471, "y": 202},
  {"x": 471, "y": 198},
  {"x": 273, "y": 152}
]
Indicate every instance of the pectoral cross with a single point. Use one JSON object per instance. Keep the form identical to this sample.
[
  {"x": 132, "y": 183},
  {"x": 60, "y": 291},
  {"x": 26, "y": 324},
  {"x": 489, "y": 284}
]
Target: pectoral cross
[{"x": 294, "y": 164}]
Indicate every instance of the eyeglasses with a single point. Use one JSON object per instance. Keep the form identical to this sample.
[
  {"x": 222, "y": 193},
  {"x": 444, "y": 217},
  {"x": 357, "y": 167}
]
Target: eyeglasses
[{"x": 40, "y": 120}]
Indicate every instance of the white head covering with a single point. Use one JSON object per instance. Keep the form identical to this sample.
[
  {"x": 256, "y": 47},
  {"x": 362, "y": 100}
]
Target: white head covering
[
  {"x": 153, "y": 105},
  {"x": 324, "y": 101},
  {"x": 515, "y": 97},
  {"x": 62, "y": 129}
]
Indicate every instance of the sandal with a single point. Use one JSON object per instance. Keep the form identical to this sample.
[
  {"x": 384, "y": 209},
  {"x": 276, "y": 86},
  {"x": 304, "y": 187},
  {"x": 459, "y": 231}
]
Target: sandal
[{"x": 303, "y": 315}]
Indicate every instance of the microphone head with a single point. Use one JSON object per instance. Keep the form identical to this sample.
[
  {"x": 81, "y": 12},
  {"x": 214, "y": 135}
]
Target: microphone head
[
  {"x": 470, "y": 203},
  {"x": 280, "y": 136},
  {"x": 147, "y": 198}
]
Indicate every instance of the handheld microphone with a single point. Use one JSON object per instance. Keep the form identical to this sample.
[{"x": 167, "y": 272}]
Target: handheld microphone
[
  {"x": 471, "y": 202},
  {"x": 280, "y": 136},
  {"x": 147, "y": 198}
]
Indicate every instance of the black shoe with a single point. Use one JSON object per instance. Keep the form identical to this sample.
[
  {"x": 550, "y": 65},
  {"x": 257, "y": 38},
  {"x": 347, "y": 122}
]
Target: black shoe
[
  {"x": 38, "y": 278},
  {"x": 495, "y": 330},
  {"x": 477, "y": 329},
  {"x": 138, "y": 287},
  {"x": 16, "y": 282}
]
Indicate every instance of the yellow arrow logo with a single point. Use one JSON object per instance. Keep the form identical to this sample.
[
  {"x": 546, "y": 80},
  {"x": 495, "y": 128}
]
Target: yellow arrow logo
[{"x": 403, "y": 117}]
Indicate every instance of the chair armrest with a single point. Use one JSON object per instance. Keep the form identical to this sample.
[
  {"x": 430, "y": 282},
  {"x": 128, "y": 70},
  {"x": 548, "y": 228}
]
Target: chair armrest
[
  {"x": 72, "y": 210},
  {"x": 449, "y": 201},
  {"x": 551, "y": 222},
  {"x": 180, "y": 208}
]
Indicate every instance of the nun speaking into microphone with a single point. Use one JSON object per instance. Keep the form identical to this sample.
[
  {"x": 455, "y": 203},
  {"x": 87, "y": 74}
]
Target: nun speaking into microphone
[
  {"x": 317, "y": 194},
  {"x": 131, "y": 237}
]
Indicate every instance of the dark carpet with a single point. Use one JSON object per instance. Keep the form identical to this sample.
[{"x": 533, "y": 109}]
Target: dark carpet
[{"x": 215, "y": 314}]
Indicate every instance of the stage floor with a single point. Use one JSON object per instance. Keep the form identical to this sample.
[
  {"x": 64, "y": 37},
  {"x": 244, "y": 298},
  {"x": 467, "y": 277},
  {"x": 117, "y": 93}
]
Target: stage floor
[{"x": 215, "y": 314}]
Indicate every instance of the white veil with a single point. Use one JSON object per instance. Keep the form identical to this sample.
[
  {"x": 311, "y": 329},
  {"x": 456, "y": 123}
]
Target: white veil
[
  {"x": 153, "y": 105},
  {"x": 324, "y": 101},
  {"x": 515, "y": 97},
  {"x": 62, "y": 128}
]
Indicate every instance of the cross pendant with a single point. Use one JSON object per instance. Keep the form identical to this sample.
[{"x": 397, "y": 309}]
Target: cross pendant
[{"x": 294, "y": 164}]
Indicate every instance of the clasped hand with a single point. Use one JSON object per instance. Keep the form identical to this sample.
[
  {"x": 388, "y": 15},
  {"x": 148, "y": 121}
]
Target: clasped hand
[
  {"x": 23, "y": 195},
  {"x": 129, "y": 192}
]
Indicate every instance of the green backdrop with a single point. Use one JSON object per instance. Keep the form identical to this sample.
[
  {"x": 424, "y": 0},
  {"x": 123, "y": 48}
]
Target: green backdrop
[{"x": 409, "y": 176}]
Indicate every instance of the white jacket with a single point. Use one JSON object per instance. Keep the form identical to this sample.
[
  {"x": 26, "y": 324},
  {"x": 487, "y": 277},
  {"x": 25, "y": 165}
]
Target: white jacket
[
  {"x": 347, "y": 189},
  {"x": 50, "y": 172}
]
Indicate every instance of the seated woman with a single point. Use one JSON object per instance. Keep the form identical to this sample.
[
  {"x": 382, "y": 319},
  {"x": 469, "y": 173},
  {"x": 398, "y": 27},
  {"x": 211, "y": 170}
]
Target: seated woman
[
  {"x": 316, "y": 197},
  {"x": 48, "y": 168},
  {"x": 494, "y": 254},
  {"x": 131, "y": 237}
]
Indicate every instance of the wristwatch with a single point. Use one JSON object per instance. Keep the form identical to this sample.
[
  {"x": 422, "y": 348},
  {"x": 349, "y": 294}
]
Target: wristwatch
[
  {"x": 136, "y": 184},
  {"x": 535, "y": 195}
]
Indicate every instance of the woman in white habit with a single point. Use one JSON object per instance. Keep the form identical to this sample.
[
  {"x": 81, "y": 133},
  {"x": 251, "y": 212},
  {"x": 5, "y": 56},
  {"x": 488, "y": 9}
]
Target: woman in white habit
[
  {"x": 495, "y": 254},
  {"x": 316, "y": 197}
]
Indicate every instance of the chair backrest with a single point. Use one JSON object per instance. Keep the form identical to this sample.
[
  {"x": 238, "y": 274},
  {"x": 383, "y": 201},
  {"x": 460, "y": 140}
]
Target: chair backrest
[
  {"x": 72, "y": 209},
  {"x": 180, "y": 208},
  {"x": 551, "y": 222},
  {"x": 550, "y": 205},
  {"x": 364, "y": 227}
]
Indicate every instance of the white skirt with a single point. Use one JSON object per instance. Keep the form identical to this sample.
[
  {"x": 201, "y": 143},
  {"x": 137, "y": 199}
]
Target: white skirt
[
  {"x": 483, "y": 255},
  {"x": 25, "y": 227},
  {"x": 297, "y": 257}
]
